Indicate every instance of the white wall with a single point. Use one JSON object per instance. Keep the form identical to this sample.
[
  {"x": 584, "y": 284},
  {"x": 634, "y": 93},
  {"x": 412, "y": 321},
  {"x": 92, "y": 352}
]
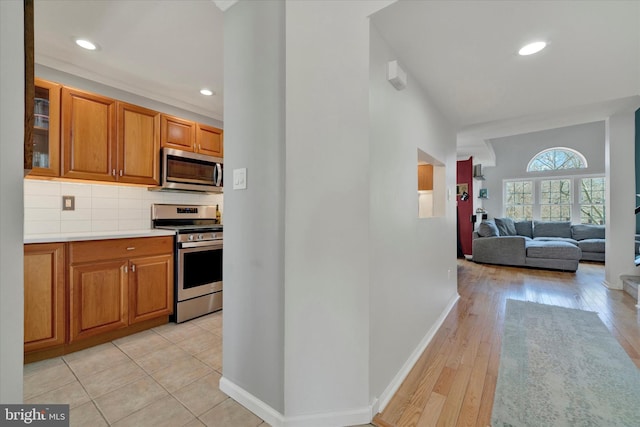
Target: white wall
[
  {"x": 11, "y": 161},
  {"x": 253, "y": 357},
  {"x": 620, "y": 203},
  {"x": 514, "y": 152},
  {"x": 410, "y": 258},
  {"x": 327, "y": 208}
]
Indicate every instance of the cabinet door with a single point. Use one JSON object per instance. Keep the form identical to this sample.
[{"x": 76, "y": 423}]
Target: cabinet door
[
  {"x": 88, "y": 136},
  {"x": 150, "y": 287},
  {"x": 425, "y": 177},
  {"x": 138, "y": 144},
  {"x": 177, "y": 133},
  {"x": 46, "y": 129},
  {"x": 98, "y": 298},
  {"x": 209, "y": 140},
  {"x": 44, "y": 305}
]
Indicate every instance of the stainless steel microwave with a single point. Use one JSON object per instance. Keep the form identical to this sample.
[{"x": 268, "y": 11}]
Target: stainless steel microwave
[{"x": 184, "y": 170}]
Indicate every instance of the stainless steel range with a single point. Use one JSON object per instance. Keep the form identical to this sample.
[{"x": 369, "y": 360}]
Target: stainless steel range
[{"x": 198, "y": 257}]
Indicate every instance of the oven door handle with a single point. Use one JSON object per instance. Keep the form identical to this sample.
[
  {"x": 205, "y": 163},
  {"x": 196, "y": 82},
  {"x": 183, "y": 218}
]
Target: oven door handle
[{"x": 214, "y": 244}]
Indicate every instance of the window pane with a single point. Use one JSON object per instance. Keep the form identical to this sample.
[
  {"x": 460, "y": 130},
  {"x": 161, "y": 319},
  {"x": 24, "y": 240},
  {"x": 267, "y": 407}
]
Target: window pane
[
  {"x": 519, "y": 199},
  {"x": 592, "y": 199},
  {"x": 557, "y": 159}
]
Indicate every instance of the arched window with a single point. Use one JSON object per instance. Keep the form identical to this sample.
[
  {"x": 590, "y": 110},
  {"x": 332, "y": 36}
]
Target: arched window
[{"x": 556, "y": 158}]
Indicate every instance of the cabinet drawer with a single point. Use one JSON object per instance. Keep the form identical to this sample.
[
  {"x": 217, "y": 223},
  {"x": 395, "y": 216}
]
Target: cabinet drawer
[{"x": 96, "y": 250}]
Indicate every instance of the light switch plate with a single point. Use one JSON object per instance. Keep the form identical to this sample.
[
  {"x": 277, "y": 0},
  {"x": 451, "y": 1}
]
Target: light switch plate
[
  {"x": 240, "y": 179},
  {"x": 68, "y": 203}
]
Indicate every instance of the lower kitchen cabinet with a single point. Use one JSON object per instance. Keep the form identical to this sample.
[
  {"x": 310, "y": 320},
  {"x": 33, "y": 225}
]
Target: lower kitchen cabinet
[
  {"x": 150, "y": 287},
  {"x": 44, "y": 297},
  {"x": 118, "y": 283},
  {"x": 98, "y": 298}
]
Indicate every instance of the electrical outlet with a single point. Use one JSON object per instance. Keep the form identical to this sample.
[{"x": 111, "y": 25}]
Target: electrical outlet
[{"x": 68, "y": 203}]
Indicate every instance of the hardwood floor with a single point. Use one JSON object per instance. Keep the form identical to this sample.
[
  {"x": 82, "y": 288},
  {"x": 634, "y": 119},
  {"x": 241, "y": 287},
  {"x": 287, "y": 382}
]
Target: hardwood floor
[{"x": 453, "y": 382}]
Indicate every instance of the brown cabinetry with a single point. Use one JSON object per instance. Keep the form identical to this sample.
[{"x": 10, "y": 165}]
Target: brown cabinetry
[
  {"x": 209, "y": 140},
  {"x": 116, "y": 283},
  {"x": 88, "y": 135},
  {"x": 138, "y": 144},
  {"x": 191, "y": 136},
  {"x": 425, "y": 177},
  {"x": 106, "y": 140},
  {"x": 44, "y": 298},
  {"x": 46, "y": 129},
  {"x": 177, "y": 133}
]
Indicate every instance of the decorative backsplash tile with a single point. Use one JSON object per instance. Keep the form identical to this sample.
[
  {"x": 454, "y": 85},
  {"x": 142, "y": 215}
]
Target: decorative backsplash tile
[{"x": 98, "y": 207}]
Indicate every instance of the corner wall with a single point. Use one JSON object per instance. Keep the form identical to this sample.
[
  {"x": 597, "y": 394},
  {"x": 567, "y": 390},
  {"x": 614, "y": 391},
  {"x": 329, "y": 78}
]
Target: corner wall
[
  {"x": 620, "y": 185},
  {"x": 253, "y": 336},
  {"x": 413, "y": 267},
  {"x": 11, "y": 172}
]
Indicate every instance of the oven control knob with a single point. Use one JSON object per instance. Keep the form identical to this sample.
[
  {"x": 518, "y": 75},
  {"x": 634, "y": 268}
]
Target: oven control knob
[
  {"x": 190, "y": 237},
  {"x": 200, "y": 236}
]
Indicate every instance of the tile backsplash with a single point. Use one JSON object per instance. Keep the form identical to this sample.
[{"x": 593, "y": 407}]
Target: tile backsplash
[{"x": 98, "y": 207}]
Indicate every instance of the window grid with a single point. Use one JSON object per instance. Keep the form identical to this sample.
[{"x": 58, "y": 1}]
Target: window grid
[
  {"x": 557, "y": 158},
  {"x": 555, "y": 200},
  {"x": 592, "y": 208},
  {"x": 519, "y": 200}
]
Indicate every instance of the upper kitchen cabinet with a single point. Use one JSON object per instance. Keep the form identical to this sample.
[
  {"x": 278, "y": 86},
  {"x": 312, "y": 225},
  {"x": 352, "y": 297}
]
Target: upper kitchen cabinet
[
  {"x": 209, "y": 140},
  {"x": 88, "y": 136},
  {"x": 46, "y": 130},
  {"x": 138, "y": 144},
  {"x": 177, "y": 133},
  {"x": 191, "y": 136}
]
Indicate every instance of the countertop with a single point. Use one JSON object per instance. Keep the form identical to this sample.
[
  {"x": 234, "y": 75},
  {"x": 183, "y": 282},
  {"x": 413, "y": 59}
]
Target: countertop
[{"x": 94, "y": 235}]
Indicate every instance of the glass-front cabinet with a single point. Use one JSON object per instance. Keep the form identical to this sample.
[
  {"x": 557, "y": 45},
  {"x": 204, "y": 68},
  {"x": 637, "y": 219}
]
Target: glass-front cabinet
[{"x": 46, "y": 129}]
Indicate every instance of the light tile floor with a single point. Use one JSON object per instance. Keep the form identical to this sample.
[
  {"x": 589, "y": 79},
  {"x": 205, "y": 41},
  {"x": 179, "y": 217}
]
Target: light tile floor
[{"x": 165, "y": 376}]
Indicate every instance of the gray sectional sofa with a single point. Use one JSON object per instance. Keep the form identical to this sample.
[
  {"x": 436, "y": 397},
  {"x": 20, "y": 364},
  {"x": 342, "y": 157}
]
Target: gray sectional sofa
[{"x": 556, "y": 245}]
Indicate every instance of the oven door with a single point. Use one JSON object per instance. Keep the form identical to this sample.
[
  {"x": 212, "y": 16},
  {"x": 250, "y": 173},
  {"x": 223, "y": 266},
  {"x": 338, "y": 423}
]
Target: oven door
[{"x": 199, "y": 269}]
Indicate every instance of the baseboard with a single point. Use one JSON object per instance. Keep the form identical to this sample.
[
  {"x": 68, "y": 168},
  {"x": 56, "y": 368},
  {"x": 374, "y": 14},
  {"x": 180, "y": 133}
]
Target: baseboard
[
  {"x": 252, "y": 403},
  {"x": 276, "y": 419},
  {"x": 395, "y": 384}
]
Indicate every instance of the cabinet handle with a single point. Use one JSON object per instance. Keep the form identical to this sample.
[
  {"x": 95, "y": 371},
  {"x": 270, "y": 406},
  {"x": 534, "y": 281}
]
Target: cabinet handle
[
  {"x": 199, "y": 147},
  {"x": 131, "y": 248},
  {"x": 126, "y": 269},
  {"x": 113, "y": 172},
  {"x": 133, "y": 268},
  {"x": 120, "y": 172}
]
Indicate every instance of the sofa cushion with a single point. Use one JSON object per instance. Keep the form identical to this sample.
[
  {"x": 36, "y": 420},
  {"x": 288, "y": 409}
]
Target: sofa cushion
[
  {"x": 552, "y": 250},
  {"x": 587, "y": 231},
  {"x": 488, "y": 228},
  {"x": 524, "y": 228},
  {"x": 506, "y": 226},
  {"x": 552, "y": 229},
  {"x": 557, "y": 239},
  {"x": 591, "y": 245}
]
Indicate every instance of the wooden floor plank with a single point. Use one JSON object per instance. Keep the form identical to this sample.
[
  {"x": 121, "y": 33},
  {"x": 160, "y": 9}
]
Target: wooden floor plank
[{"x": 453, "y": 382}]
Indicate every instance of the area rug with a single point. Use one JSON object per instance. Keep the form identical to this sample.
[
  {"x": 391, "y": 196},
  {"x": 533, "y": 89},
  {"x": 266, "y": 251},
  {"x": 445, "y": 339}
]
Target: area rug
[{"x": 562, "y": 367}]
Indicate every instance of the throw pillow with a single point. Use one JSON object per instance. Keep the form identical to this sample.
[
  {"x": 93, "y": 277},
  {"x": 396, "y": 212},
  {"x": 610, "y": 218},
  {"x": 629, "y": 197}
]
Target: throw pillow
[
  {"x": 552, "y": 229},
  {"x": 506, "y": 226},
  {"x": 488, "y": 229},
  {"x": 524, "y": 228}
]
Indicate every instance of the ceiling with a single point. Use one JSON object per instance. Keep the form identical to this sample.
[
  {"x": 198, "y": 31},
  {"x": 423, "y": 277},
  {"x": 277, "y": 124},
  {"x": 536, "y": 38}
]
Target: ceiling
[
  {"x": 462, "y": 53},
  {"x": 164, "y": 50}
]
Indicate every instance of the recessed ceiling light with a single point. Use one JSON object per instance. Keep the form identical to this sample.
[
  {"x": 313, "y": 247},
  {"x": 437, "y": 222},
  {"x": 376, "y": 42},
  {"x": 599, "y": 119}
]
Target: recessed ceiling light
[
  {"x": 532, "y": 48},
  {"x": 206, "y": 92},
  {"x": 86, "y": 44}
]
